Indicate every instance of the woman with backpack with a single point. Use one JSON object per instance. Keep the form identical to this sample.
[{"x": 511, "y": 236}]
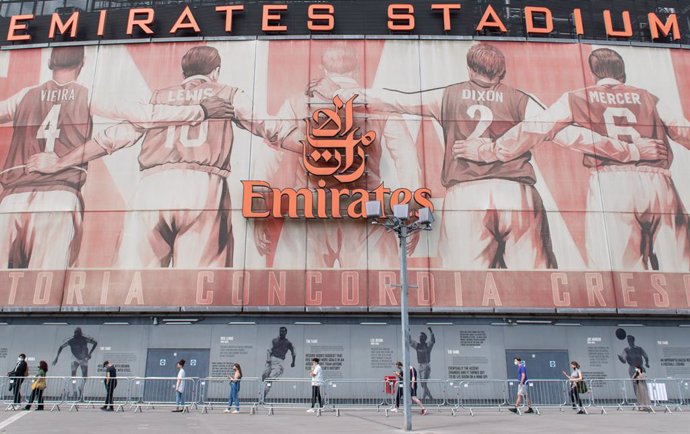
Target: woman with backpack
[{"x": 577, "y": 386}]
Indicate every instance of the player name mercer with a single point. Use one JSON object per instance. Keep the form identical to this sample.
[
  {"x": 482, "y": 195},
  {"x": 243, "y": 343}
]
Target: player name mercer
[{"x": 614, "y": 98}]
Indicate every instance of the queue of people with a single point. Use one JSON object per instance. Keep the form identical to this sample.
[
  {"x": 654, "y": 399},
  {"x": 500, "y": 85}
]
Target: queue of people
[{"x": 576, "y": 386}]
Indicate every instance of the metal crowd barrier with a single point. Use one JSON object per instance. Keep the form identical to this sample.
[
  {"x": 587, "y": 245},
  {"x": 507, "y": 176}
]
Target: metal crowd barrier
[
  {"x": 214, "y": 392},
  {"x": 436, "y": 393},
  {"x": 484, "y": 394},
  {"x": 665, "y": 393},
  {"x": 360, "y": 394},
  {"x": 289, "y": 393},
  {"x": 7, "y": 384},
  {"x": 380, "y": 395},
  {"x": 545, "y": 393},
  {"x": 91, "y": 391},
  {"x": 53, "y": 394},
  {"x": 138, "y": 393},
  {"x": 684, "y": 391},
  {"x": 152, "y": 392},
  {"x": 611, "y": 393}
]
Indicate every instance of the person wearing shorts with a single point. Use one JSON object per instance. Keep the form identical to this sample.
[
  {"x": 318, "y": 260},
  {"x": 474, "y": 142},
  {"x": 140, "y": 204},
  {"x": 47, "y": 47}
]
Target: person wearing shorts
[
  {"x": 413, "y": 389},
  {"x": 522, "y": 390}
]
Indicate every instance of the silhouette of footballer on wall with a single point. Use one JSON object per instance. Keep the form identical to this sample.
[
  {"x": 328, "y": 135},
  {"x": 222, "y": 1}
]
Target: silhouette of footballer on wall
[
  {"x": 275, "y": 357},
  {"x": 423, "y": 348},
  {"x": 633, "y": 355},
  {"x": 79, "y": 345}
]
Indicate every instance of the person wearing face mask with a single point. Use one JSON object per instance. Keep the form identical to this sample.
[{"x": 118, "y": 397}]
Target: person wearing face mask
[
  {"x": 17, "y": 375},
  {"x": 522, "y": 387}
]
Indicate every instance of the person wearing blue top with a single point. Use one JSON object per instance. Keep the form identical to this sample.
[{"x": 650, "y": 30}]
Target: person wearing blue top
[{"x": 522, "y": 387}]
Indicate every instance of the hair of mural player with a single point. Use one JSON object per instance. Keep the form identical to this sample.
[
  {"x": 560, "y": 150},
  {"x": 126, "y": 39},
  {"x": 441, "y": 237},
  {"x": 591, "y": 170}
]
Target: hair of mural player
[{"x": 621, "y": 334}]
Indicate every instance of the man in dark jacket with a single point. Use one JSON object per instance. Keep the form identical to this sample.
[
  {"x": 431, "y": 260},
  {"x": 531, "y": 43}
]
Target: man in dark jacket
[
  {"x": 17, "y": 375},
  {"x": 110, "y": 385}
]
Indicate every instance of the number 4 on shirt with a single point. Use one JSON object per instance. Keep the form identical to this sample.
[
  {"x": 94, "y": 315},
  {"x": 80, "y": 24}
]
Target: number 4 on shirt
[{"x": 49, "y": 130}]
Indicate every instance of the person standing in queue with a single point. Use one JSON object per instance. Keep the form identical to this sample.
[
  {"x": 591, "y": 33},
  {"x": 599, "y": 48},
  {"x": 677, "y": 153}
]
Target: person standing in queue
[
  {"x": 316, "y": 374},
  {"x": 234, "y": 397},
  {"x": 577, "y": 385},
  {"x": 17, "y": 376},
  {"x": 641, "y": 392},
  {"x": 399, "y": 376},
  {"x": 413, "y": 389},
  {"x": 179, "y": 387},
  {"x": 38, "y": 386},
  {"x": 110, "y": 385}
]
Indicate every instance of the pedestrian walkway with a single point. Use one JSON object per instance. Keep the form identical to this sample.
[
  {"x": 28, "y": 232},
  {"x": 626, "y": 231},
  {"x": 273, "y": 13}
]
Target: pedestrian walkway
[{"x": 299, "y": 422}]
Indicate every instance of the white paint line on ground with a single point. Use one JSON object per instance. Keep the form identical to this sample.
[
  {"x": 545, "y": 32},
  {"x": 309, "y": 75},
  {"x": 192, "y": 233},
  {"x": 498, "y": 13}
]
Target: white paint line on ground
[{"x": 10, "y": 420}]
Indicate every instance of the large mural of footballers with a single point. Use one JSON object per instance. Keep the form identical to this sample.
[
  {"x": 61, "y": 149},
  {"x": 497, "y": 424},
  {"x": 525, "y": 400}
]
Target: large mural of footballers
[{"x": 557, "y": 167}]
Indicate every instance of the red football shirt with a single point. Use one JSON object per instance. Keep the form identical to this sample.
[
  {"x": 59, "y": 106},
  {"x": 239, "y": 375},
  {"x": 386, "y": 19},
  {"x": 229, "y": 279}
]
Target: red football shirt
[
  {"x": 622, "y": 112},
  {"x": 473, "y": 110},
  {"x": 51, "y": 117}
]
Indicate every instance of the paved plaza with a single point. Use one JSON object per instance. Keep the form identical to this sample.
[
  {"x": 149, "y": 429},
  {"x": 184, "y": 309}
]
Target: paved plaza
[{"x": 298, "y": 422}]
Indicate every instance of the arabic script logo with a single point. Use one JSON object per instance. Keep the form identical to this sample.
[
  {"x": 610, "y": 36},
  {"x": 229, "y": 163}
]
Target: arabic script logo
[{"x": 332, "y": 146}]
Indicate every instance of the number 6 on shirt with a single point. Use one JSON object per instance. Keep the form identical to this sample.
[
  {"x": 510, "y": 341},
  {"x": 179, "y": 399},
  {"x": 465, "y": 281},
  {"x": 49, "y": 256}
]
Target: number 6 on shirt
[{"x": 621, "y": 132}]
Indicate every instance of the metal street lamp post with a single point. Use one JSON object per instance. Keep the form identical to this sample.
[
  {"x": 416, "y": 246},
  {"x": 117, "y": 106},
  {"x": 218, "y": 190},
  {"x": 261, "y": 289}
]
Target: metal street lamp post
[{"x": 404, "y": 227}]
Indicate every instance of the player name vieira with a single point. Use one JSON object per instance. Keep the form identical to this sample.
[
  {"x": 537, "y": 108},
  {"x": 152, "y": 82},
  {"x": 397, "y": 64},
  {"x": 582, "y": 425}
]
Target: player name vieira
[
  {"x": 260, "y": 200},
  {"x": 58, "y": 95},
  {"x": 321, "y": 18}
]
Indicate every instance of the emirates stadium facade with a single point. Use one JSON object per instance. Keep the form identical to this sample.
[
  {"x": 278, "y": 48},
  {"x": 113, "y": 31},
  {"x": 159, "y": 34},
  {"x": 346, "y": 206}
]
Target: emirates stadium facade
[{"x": 190, "y": 179}]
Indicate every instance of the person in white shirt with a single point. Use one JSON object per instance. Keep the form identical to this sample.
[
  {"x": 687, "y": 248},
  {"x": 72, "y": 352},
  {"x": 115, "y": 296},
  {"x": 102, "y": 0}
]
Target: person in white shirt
[
  {"x": 179, "y": 387},
  {"x": 316, "y": 374}
]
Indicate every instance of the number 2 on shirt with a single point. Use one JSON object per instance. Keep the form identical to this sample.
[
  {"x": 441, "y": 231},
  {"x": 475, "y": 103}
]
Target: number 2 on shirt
[
  {"x": 486, "y": 116},
  {"x": 49, "y": 130}
]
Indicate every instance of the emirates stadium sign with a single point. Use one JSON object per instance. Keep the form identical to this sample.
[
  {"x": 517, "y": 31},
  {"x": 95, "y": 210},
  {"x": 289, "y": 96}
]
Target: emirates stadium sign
[{"x": 354, "y": 17}]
